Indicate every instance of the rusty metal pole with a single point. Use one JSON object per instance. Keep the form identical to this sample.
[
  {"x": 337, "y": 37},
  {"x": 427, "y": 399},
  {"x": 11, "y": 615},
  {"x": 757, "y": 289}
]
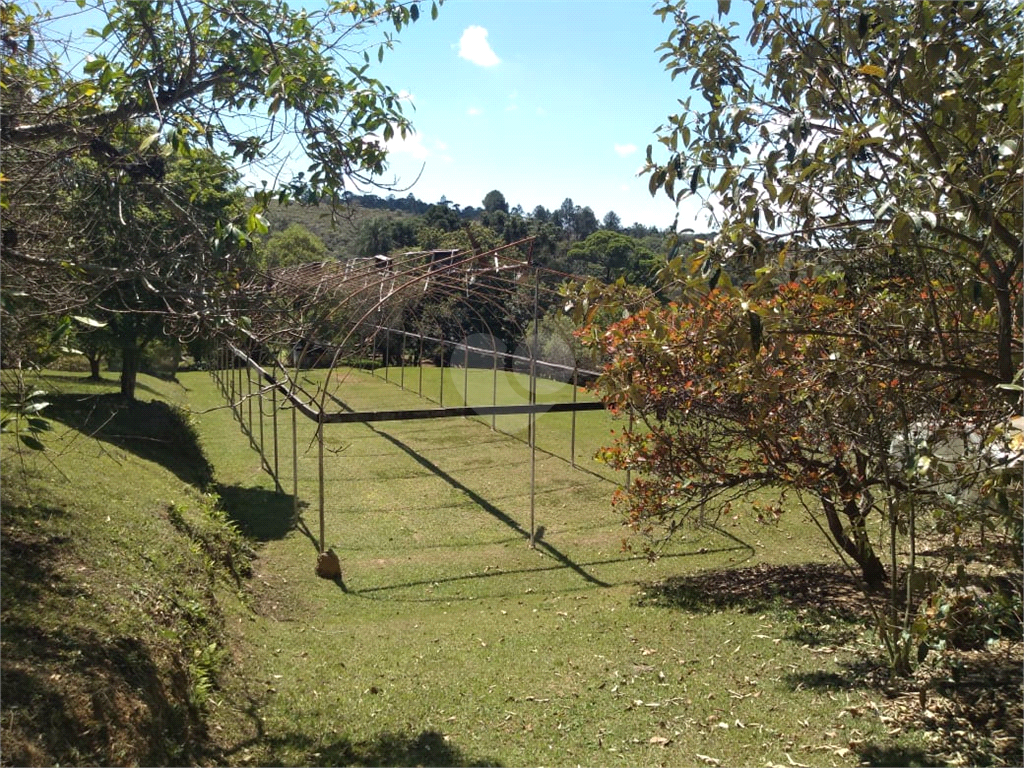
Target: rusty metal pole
[
  {"x": 320, "y": 440},
  {"x": 295, "y": 463},
  {"x": 420, "y": 359},
  {"x": 401, "y": 355},
  {"x": 248, "y": 379},
  {"x": 441, "y": 396},
  {"x": 277, "y": 475},
  {"x": 572, "y": 440},
  {"x": 628, "y": 473},
  {"x": 533, "y": 415},
  {"x": 494, "y": 383},
  {"x": 263, "y": 453}
]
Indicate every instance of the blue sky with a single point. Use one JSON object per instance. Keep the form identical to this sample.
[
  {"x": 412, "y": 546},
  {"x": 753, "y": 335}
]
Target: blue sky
[{"x": 540, "y": 99}]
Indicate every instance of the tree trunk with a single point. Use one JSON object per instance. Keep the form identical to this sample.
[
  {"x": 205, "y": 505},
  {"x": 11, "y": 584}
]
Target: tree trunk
[
  {"x": 94, "y": 367},
  {"x": 129, "y": 370},
  {"x": 856, "y": 544}
]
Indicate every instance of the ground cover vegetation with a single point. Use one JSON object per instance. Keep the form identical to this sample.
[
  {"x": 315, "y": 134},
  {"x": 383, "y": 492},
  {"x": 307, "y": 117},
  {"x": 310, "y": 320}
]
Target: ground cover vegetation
[{"x": 850, "y": 338}]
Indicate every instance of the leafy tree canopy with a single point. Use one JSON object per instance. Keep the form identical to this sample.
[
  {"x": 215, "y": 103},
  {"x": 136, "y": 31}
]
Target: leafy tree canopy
[{"x": 863, "y": 290}]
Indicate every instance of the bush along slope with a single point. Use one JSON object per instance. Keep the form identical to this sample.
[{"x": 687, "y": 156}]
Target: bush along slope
[{"x": 115, "y": 569}]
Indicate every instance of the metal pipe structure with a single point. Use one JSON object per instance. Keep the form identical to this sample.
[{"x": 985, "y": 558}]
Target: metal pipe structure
[
  {"x": 277, "y": 473},
  {"x": 533, "y": 416},
  {"x": 572, "y": 431},
  {"x": 465, "y": 371},
  {"x": 494, "y": 386},
  {"x": 295, "y": 463},
  {"x": 320, "y": 440},
  {"x": 420, "y": 358}
]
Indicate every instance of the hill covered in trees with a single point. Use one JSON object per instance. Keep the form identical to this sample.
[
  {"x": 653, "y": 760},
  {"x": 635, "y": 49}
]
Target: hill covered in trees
[{"x": 569, "y": 239}]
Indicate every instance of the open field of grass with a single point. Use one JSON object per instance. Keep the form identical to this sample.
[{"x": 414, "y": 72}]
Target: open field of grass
[{"x": 448, "y": 641}]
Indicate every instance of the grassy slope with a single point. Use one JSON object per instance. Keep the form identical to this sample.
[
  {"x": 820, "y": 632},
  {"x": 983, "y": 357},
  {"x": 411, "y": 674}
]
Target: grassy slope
[
  {"x": 450, "y": 642},
  {"x": 111, "y": 601}
]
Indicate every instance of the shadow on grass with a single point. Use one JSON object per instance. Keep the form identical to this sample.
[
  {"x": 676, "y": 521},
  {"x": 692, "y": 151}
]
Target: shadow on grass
[
  {"x": 813, "y": 590},
  {"x": 111, "y": 385},
  {"x": 889, "y": 754},
  {"x": 153, "y": 431},
  {"x": 74, "y": 694},
  {"x": 520, "y": 571},
  {"x": 488, "y": 507},
  {"x": 427, "y": 748},
  {"x": 260, "y": 514},
  {"x": 298, "y": 747}
]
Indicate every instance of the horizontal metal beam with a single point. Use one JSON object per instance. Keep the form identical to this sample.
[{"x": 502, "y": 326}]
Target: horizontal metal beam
[
  {"x": 447, "y": 413},
  {"x": 352, "y": 417}
]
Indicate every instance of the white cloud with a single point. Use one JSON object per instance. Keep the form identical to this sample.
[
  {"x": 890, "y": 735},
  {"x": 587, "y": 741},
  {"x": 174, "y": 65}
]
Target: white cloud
[
  {"x": 474, "y": 111},
  {"x": 473, "y": 46},
  {"x": 624, "y": 150},
  {"x": 404, "y": 95},
  {"x": 411, "y": 145}
]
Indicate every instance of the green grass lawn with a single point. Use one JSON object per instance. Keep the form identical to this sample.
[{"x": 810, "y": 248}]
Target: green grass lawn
[{"x": 451, "y": 642}]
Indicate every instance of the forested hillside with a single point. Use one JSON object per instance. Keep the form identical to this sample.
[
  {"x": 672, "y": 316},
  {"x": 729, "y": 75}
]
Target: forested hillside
[{"x": 569, "y": 239}]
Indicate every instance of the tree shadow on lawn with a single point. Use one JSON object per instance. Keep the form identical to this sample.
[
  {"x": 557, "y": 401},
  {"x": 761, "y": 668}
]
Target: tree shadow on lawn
[
  {"x": 388, "y": 748},
  {"x": 154, "y": 431},
  {"x": 498, "y": 573},
  {"x": 260, "y": 514},
  {"x": 824, "y": 603},
  {"x": 811, "y": 589},
  {"x": 427, "y": 748},
  {"x": 78, "y": 695}
]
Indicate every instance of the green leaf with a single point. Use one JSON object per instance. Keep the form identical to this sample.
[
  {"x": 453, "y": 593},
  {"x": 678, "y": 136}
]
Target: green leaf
[
  {"x": 34, "y": 407},
  {"x": 872, "y": 70},
  {"x": 414, "y": 12},
  {"x": 723, "y": 7},
  {"x": 433, "y": 11},
  {"x": 148, "y": 142},
  {"x": 88, "y": 321},
  {"x": 39, "y": 425}
]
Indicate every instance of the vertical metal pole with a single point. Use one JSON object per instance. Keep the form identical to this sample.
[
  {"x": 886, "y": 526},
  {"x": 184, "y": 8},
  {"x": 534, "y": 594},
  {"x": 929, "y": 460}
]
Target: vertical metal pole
[
  {"x": 533, "y": 360},
  {"x": 259, "y": 392},
  {"x": 277, "y": 473},
  {"x": 295, "y": 463},
  {"x": 533, "y": 415},
  {"x": 465, "y": 371},
  {"x": 442, "y": 371},
  {"x": 572, "y": 440},
  {"x": 387, "y": 354},
  {"x": 373, "y": 355},
  {"x": 628, "y": 473},
  {"x": 494, "y": 384},
  {"x": 420, "y": 358},
  {"x": 401, "y": 355},
  {"x": 320, "y": 439},
  {"x": 248, "y": 380}
]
